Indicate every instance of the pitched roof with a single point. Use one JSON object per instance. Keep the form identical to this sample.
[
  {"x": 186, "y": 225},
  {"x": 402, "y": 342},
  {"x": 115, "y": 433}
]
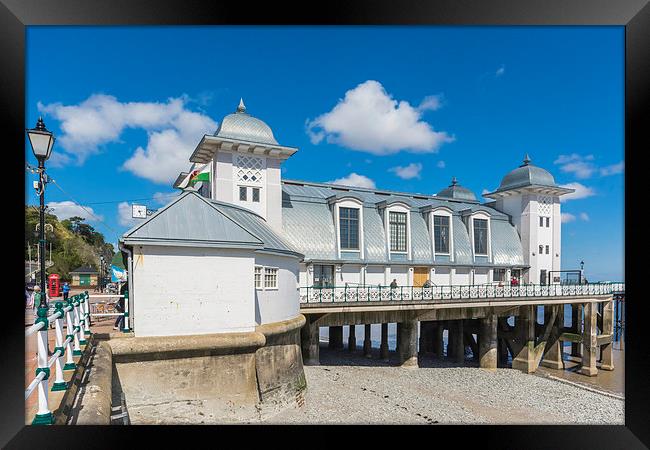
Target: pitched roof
[{"x": 84, "y": 269}]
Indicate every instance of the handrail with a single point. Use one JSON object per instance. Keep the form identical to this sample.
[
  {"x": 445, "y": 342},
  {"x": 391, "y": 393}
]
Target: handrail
[
  {"x": 76, "y": 314},
  {"x": 372, "y": 293}
]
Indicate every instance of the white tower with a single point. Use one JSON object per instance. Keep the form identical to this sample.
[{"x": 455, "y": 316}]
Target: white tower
[
  {"x": 531, "y": 198},
  {"x": 245, "y": 159}
]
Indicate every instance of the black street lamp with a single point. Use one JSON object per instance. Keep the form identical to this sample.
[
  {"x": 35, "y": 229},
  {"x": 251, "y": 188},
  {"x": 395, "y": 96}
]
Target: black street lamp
[
  {"x": 42, "y": 142},
  {"x": 101, "y": 273}
]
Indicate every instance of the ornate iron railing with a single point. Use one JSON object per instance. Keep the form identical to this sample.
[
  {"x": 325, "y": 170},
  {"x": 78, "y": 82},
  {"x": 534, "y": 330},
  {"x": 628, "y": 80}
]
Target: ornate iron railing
[{"x": 355, "y": 294}]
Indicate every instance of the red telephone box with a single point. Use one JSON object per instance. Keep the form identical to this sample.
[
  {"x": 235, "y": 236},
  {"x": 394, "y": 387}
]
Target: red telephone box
[{"x": 54, "y": 285}]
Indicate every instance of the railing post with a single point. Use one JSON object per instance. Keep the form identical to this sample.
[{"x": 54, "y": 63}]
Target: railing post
[
  {"x": 43, "y": 415},
  {"x": 86, "y": 303},
  {"x": 82, "y": 319},
  {"x": 69, "y": 361},
  {"x": 59, "y": 382},
  {"x": 126, "y": 312},
  {"x": 76, "y": 327}
]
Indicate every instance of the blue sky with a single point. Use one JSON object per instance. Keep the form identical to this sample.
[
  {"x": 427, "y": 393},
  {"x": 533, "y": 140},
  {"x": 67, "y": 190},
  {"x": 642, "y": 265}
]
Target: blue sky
[{"x": 128, "y": 105}]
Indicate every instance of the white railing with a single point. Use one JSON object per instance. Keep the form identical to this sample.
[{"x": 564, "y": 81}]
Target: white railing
[
  {"x": 76, "y": 313},
  {"x": 355, "y": 294}
]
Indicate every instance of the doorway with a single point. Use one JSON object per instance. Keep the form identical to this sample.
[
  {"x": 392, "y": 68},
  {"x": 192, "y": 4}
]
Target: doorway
[{"x": 420, "y": 276}]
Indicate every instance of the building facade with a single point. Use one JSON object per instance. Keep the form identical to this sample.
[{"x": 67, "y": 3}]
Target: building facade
[{"x": 353, "y": 236}]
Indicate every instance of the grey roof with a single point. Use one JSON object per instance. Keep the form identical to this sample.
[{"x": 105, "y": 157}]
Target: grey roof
[
  {"x": 191, "y": 220},
  {"x": 179, "y": 179},
  {"x": 526, "y": 175},
  {"x": 242, "y": 126},
  {"x": 85, "y": 269},
  {"x": 458, "y": 192},
  {"x": 308, "y": 225}
]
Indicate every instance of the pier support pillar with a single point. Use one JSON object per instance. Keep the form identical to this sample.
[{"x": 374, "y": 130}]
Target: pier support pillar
[
  {"x": 309, "y": 339},
  {"x": 451, "y": 350},
  {"x": 438, "y": 342},
  {"x": 367, "y": 342},
  {"x": 589, "y": 342},
  {"x": 427, "y": 330},
  {"x": 553, "y": 351},
  {"x": 383, "y": 347},
  {"x": 576, "y": 327},
  {"x": 336, "y": 337},
  {"x": 488, "y": 342},
  {"x": 524, "y": 360},
  {"x": 459, "y": 342},
  {"x": 352, "y": 339},
  {"x": 407, "y": 338},
  {"x": 606, "y": 356}
]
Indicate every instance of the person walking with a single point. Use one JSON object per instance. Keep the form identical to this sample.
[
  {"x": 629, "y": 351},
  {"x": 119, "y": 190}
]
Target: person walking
[
  {"x": 66, "y": 291},
  {"x": 29, "y": 301},
  {"x": 393, "y": 285}
]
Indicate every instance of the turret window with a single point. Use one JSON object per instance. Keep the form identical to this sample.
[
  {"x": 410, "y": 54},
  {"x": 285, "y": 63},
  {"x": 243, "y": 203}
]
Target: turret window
[
  {"x": 242, "y": 193},
  {"x": 349, "y": 228}
]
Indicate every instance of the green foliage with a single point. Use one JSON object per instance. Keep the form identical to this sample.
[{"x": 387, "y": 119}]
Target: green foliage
[{"x": 74, "y": 242}]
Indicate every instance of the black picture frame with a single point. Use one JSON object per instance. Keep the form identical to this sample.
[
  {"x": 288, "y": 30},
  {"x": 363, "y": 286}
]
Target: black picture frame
[{"x": 634, "y": 15}]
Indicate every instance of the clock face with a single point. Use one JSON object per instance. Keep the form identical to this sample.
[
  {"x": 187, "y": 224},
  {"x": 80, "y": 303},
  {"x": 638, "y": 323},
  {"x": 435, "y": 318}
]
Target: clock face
[{"x": 139, "y": 212}]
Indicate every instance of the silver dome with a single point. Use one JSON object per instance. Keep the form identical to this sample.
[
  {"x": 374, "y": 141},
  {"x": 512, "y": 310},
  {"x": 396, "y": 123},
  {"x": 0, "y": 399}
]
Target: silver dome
[
  {"x": 457, "y": 192},
  {"x": 526, "y": 175},
  {"x": 244, "y": 127}
]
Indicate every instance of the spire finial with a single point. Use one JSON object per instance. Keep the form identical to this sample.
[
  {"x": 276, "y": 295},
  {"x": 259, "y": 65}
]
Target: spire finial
[
  {"x": 526, "y": 160},
  {"x": 454, "y": 181},
  {"x": 40, "y": 125},
  {"x": 241, "y": 108}
]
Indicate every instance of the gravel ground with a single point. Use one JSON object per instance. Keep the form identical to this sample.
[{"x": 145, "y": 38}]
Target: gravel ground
[{"x": 351, "y": 389}]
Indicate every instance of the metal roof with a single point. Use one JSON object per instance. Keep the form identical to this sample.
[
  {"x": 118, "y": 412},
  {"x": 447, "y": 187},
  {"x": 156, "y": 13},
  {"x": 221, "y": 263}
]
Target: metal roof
[
  {"x": 308, "y": 225},
  {"x": 242, "y": 126},
  {"x": 84, "y": 270},
  {"x": 191, "y": 220},
  {"x": 526, "y": 175},
  {"x": 458, "y": 192}
]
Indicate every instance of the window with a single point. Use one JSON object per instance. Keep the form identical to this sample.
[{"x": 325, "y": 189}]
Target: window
[
  {"x": 397, "y": 223},
  {"x": 270, "y": 278},
  {"x": 499, "y": 275},
  {"x": 323, "y": 276},
  {"x": 256, "y": 195},
  {"x": 548, "y": 221},
  {"x": 541, "y": 221},
  {"x": 441, "y": 233},
  {"x": 547, "y": 249},
  {"x": 541, "y": 249},
  {"x": 349, "y": 228},
  {"x": 242, "y": 193},
  {"x": 258, "y": 277},
  {"x": 480, "y": 236}
]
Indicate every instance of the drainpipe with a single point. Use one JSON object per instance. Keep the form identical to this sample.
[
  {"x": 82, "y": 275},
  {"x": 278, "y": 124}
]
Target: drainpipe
[{"x": 129, "y": 268}]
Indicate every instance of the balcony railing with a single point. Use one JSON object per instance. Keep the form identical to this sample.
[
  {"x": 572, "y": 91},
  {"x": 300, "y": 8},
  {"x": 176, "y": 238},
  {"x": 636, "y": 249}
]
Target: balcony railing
[{"x": 358, "y": 294}]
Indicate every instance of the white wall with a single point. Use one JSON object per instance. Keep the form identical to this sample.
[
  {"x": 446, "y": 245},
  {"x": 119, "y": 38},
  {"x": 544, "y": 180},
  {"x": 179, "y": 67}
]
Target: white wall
[
  {"x": 440, "y": 276},
  {"x": 481, "y": 276},
  {"x": 275, "y": 305},
  {"x": 186, "y": 290},
  {"x": 375, "y": 275},
  {"x": 400, "y": 273},
  {"x": 460, "y": 276},
  {"x": 350, "y": 273}
]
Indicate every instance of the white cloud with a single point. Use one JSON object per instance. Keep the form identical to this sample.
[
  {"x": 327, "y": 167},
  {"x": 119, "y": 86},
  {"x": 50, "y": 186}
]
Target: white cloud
[
  {"x": 441, "y": 165},
  {"x": 431, "y": 103},
  {"x": 614, "y": 169},
  {"x": 566, "y": 217},
  {"x": 407, "y": 172},
  {"x": 355, "y": 179},
  {"x": 162, "y": 198},
  {"x": 580, "y": 166},
  {"x": 500, "y": 71},
  {"x": 66, "y": 209},
  {"x": 124, "y": 215},
  {"x": 584, "y": 216},
  {"x": 581, "y": 191},
  {"x": 368, "y": 119},
  {"x": 172, "y": 131}
]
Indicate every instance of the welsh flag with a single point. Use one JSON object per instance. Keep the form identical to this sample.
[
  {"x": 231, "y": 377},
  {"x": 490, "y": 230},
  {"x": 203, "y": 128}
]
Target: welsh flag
[{"x": 202, "y": 174}]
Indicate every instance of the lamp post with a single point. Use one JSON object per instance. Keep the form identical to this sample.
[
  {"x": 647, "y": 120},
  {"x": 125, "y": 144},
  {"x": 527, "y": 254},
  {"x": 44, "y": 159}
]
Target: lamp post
[
  {"x": 582, "y": 271},
  {"x": 101, "y": 273},
  {"x": 41, "y": 141}
]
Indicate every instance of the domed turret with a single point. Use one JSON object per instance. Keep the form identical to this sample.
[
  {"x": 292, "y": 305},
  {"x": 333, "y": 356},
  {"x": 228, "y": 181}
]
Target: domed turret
[
  {"x": 457, "y": 192},
  {"x": 526, "y": 175},
  {"x": 242, "y": 126}
]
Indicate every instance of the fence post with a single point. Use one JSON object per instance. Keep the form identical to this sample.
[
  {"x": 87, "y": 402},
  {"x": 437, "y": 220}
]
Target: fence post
[
  {"x": 43, "y": 415},
  {"x": 86, "y": 303},
  {"x": 76, "y": 328},
  {"x": 59, "y": 382},
  {"x": 69, "y": 337},
  {"x": 126, "y": 311},
  {"x": 82, "y": 319}
]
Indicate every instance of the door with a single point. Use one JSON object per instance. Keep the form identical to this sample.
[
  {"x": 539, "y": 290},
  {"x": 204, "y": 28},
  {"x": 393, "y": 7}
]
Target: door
[
  {"x": 84, "y": 280},
  {"x": 542, "y": 276},
  {"x": 420, "y": 275}
]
